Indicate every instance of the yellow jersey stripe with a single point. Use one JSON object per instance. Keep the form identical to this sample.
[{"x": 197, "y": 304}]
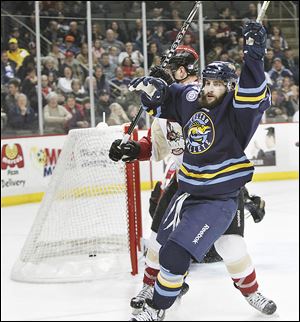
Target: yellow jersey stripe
[
  {"x": 249, "y": 98},
  {"x": 212, "y": 175}
]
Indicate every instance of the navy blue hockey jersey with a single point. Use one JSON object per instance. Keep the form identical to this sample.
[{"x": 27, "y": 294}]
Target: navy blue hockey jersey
[{"x": 214, "y": 161}]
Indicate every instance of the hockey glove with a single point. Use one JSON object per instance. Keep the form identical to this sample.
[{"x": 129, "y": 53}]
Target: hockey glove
[
  {"x": 126, "y": 152},
  {"x": 255, "y": 37},
  {"x": 154, "y": 92},
  {"x": 159, "y": 72}
]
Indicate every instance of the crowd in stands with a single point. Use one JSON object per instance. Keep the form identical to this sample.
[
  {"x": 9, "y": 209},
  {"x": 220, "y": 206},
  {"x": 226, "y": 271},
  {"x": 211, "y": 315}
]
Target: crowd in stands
[{"x": 117, "y": 58}]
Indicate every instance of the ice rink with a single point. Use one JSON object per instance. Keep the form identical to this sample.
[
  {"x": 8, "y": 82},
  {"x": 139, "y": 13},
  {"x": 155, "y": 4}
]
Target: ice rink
[{"x": 273, "y": 245}]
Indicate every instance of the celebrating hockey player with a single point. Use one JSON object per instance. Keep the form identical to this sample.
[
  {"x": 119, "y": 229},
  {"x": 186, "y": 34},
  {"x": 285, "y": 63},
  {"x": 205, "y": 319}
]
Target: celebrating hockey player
[{"x": 217, "y": 125}]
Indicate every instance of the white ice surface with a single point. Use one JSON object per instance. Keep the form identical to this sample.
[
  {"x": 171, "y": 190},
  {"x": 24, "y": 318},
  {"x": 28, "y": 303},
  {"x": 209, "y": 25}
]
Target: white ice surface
[{"x": 273, "y": 245}]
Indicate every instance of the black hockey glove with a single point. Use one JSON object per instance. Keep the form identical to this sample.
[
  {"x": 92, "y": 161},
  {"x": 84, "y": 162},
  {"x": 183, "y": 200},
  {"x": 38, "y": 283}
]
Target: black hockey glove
[
  {"x": 159, "y": 72},
  {"x": 126, "y": 152},
  {"x": 255, "y": 37}
]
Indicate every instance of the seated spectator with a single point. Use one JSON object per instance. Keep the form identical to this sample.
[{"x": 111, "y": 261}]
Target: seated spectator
[
  {"x": 132, "y": 111},
  {"x": 113, "y": 55},
  {"x": 135, "y": 55},
  {"x": 108, "y": 68},
  {"x": 46, "y": 88},
  {"x": 102, "y": 104},
  {"x": 49, "y": 67},
  {"x": 121, "y": 81},
  {"x": 15, "y": 53},
  {"x": 117, "y": 115},
  {"x": 278, "y": 72},
  {"x": 278, "y": 51},
  {"x": 98, "y": 51},
  {"x": 29, "y": 88},
  {"x": 110, "y": 41},
  {"x": 53, "y": 32},
  {"x": 287, "y": 94},
  {"x": 29, "y": 61},
  {"x": 56, "y": 116},
  {"x": 78, "y": 118},
  {"x": 152, "y": 52},
  {"x": 136, "y": 34},
  {"x": 8, "y": 68},
  {"x": 120, "y": 35},
  {"x": 72, "y": 62},
  {"x": 96, "y": 32},
  {"x": 251, "y": 14},
  {"x": 277, "y": 112},
  {"x": 268, "y": 60},
  {"x": 77, "y": 34},
  {"x": 292, "y": 63},
  {"x": 276, "y": 35},
  {"x": 83, "y": 56},
  {"x": 78, "y": 91},
  {"x": 101, "y": 82},
  {"x": 69, "y": 45},
  {"x": 21, "y": 116},
  {"x": 57, "y": 55},
  {"x": 11, "y": 97},
  {"x": 64, "y": 83},
  {"x": 128, "y": 67}
]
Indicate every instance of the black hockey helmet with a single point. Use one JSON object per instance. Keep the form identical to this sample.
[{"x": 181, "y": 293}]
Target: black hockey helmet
[
  {"x": 221, "y": 70},
  {"x": 187, "y": 57}
]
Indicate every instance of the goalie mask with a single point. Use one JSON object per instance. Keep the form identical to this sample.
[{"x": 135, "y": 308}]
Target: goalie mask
[
  {"x": 187, "y": 57},
  {"x": 223, "y": 71}
]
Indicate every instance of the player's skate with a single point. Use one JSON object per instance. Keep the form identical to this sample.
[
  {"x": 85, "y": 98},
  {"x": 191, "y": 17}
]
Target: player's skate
[
  {"x": 149, "y": 313},
  {"x": 261, "y": 303},
  {"x": 138, "y": 301}
]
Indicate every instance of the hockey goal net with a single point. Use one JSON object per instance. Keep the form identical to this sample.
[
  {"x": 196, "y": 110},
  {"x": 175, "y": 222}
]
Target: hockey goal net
[{"x": 89, "y": 221}]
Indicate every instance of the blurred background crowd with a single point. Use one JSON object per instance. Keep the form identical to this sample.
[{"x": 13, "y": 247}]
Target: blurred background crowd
[{"x": 118, "y": 57}]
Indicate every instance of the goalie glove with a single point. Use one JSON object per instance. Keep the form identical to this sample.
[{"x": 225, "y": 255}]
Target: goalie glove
[
  {"x": 255, "y": 37},
  {"x": 126, "y": 152}
]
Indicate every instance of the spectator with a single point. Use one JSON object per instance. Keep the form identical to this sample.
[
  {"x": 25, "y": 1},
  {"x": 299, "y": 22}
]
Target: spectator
[
  {"x": 128, "y": 67},
  {"x": 113, "y": 55},
  {"x": 57, "y": 55},
  {"x": 29, "y": 88},
  {"x": 15, "y": 53},
  {"x": 78, "y": 118},
  {"x": 29, "y": 61},
  {"x": 119, "y": 33},
  {"x": 69, "y": 45},
  {"x": 78, "y": 91},
  {"x": 268, "y": 59},
  {"x": 278, "y": 52},
  {"x": 73, "y": 63},
  {"x": 83, "y": 56},
  {"x": 278, "y": 72},
  {"x": 55, "y": 116},
  {"x": 277, "y": 112},
  {"x": 21, "y": 116},
  {"x": 135, "y": 55},
  {"x": 117, "y": 115},
  {"x": 101, "y": 82},
  {"x": 53, "y": 32},
  {"x": 74, "y": 31},
  {"x": 102, "y": 105},
  {"x": 13, "y": 93},
  {"x": 287, "y": 94},
  {"x": 136, "y": 34},
  {"x": 251, "y": 13},
  {"x": 132, "y": 111},
  {"x": 121, "y": 81},
  {"x": 108, "y": 68},
  {"x": 96, "y": 32},
  {"x": 64, "y": 83},
  {"x": 49, "y": 67},
  {"x": 8, "y": 68},
  {"x": 292, "y": 63},
  {"x": 152, "y": 52},
  {"x": 46, "y": 88},
  {"x": 110, "y": 41},
  {"x": 97, "y": 49},
  {"x": 276, "y": 35}
]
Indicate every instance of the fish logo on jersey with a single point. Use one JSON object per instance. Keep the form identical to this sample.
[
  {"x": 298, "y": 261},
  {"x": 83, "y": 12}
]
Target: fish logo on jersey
[{"x": 200, "y": 133}]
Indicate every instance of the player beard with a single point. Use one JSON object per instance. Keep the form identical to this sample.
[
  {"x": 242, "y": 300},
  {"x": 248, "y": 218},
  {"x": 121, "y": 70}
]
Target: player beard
[{"x": 210, "y": 105}]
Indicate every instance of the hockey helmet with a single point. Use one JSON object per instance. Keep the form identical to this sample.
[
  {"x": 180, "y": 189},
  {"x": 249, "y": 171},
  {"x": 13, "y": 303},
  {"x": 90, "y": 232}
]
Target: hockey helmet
[
  {"x": 221, "y": 71},
  {"x": 187, "y": 57}
]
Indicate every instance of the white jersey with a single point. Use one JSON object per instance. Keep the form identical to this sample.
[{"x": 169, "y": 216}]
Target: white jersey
[{"x": 167, "y": 139}]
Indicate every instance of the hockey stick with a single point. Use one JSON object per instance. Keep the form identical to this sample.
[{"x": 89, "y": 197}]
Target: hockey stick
[
  {"x": 166, "y": 61},
  {"x": 259, "y": 18}
]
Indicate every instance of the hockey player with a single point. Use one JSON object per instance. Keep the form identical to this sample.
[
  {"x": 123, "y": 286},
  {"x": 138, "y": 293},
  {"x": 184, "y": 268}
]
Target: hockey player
[
  {"x": 167, "y": 137},
  {"x": 217, "y": 128}
]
